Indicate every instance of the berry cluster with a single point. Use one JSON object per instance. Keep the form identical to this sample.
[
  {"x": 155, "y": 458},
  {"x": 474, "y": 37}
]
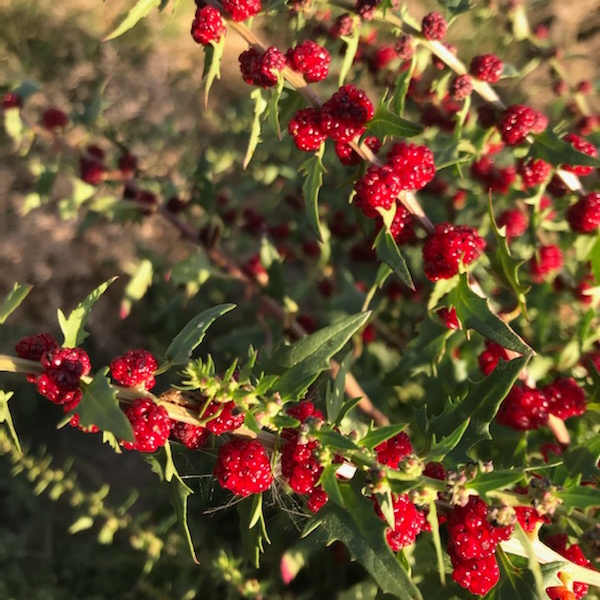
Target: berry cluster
[
  {"x": 208, "y": 26},
  {"x": 518, "y": 121},
  {"x": 262, "y": 69},
  {"x": 134, "y": 369},
  {"x": 486, "y": 67},
  {"x": 409, "y": 521},
  {"x": 310, "y": 59},
  {"x": 240, "y": 10},
  {"x": 151, "y": 425}
]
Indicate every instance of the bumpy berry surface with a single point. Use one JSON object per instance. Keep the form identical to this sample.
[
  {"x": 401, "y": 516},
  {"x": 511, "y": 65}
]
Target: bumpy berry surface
[
  {"x": 549, "y": 262},
  {"x": 412, "y": 164},
  {"x": 497, "y": 179},
  {"x": 377, "y": 188},
  {"x": 261, "y": 69},
  {"x": 349, "y": 157},
  {"x": 405, "y": 47},
  {"x": 299, "y": 466},
  {"x": 240, "y": 10},
  {"x": 518, "y": 121},
  {"x": 448, "y": 317},
  {"x": 529, "y": 518},
  {"x": 584, "y": 215},
  {"x": 523, "y": 409},
  {"x": 191, "y": 436},
  {"x": 310, "y": 59},
  {"x": 392, "y": 451},
  {"x": 74, "y": 422},
  {"x": 343, "y": 25},
  {"x": 434, "y": 26},
  {"x": 435, "y": 470},
  {"x": 54, "y": 118},
  {"x": 408, "y": 522},
  {"x": 33, "y": 347},
  {"x": 229, "y": 417},
  {"x": 305, "y": 129},
  {"x": 366, "y": 9},
  {"x": 460, "y": 87},
  {"x": 243, "y": 467},
  {"x": 151, "y": 425},
  {"x": 134, "y": 368},
  {"x": 574, "y": 554},
  {"x": 515, "y": 221},
  {"x": 401, "y": 227},
  {"x": 63, "y": 369},
  {"x": 344, "y": 115},
  {"x": 565, "y": 398},
  {"x": 444, "y": 250},
  {"x": 486, "y": 67},
  {"x": 303, "y": 411},
  {"x": 477, "y": 576},
  {"x": 582, "y": 145},
  {"x": 317, "y": 499},
  {"x": 533, "y": 171},
  {"x": 208, "y": 26}
]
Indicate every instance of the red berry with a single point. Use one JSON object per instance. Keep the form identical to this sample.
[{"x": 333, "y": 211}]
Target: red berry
[
  {"x": 310, "y": 59},
  {"x": 486, "y": 67},
  {"x": 92, "y": 171},
  {"x": 240, "y": 10},
  {"x": 492, "y": 177},
  {"x": 317, "y": 499},
  {"x": 447, "y": 247},
  {"x": 54, "y": 118},
  {"x": 523, "y": 409},
  {"x": 434, "y": 26},
  {"x": 344, "y": 115},
  {"x": 401, "y": 228},
  {"x": 63, "y": 369},
  {"x": 489, "y": 358},
  {"x": 128, "y": 164},
  {"x": 381, "y": 58},
  {"x": 405, "y": 47},
  {"x": 529, "y": 518},
  {"x": 366, "y": 9},
  {"x": 299, "y": 466},
  {"x": 208, "y": 26},
  {"x": 550, "y": 261},
  {"x": 560, "y": 592},
  {"x": 343, "y": 26},
  {"x": 584, "y": 215},
  {"x": 518, "y": 121},
  {"x": 412, "y": 164},
  {"x": 262, "y": 70},
  {"x": 515, "y": 221},
  {"x": 573, "y": 553},
  {"x": 11, "y": 100},
  {"x": 228, "y": 417},
  {"x": 392, "y": 451},
  {"x": 460, "y": 87},
  {"x": 33, "y": 347},
  {"x": 305, "y": 128},
  {"x": 581, "y": 145},
  {"x": 151, "y": 425},
  {"x": 304, "y": 410},
  {"x": 477, "y": 576},
  {"x": 533, "y": 171},
  {"x": 191, "y": 436},
  {"x": 136, "y": 367},
  {"x": 435, "y": 470},
  {"x": 448, "y": 317},
  {"x": 378, "y": 188},
  {"x": 565, "y": 398},
  {"x": 349, "y": 157},
  {"x": 408, "y": 522},
  {"x": 243, "y": 467}
]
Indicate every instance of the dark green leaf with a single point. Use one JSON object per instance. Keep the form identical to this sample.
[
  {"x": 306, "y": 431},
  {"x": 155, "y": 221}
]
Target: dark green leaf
[
  {"x": 347, "y": 406},
  {"x": 271, "y": 261},
  {"x": 386, "y": 123},
  {"x": 253, "y": 528},
  {"x": 474, "y": 313},
  {"x": 260, "y": 106},
  {"x": 330, "y": 484},
  {"x": 333, "y": 439},
  {"x": 5, "y": 417},
  {"x": 403, "y": 78},
  {"x": 581, "y": 461},
  {"x": 439, "y": 450},
  {"x": 141, "y": 9},
  {"x": 580, "y": 497},
  {"x": 99, "y": 406},
  {"x": 13, "y": 300},
  {"x": 302, "y": 362},
  {"x": 313, "y": 170},
  {"x": 362, "y": 532},
  {"x": 496, "y": 480},
  {"x": 388, "y": 252},
  {"x": 456, "y": 7},
  {"x": 73, "y": 327},
  {"x": 549, "y": 147},
  {"x": 336, "y": 390},
  {"x": 380, "y": 434},
  {"x": 181, "y": 348}
]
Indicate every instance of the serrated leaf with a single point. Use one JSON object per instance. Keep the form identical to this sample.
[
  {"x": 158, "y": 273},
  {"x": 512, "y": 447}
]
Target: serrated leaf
[
  {"x": 260, "y": 105},
  {"x": 387, "y": 251},
  {"x": 6, "y": 417},
  {"x": 73, "y": 326},
  {"x": 401, "y": 88},
  {"x": 213, "y": 53},
  {"x": 313, "y": 170},
  {"x": 141, "y": 10},
  {"x": 302, "y": 362},
  {"x": 474, "y": 312},
  {"x": 439, "y": 450},
  {"x": 182, "y": 346},
  {"x": 362, "y": 532},
  {"x": 380, "y": 434},
  {"x": 138, "y": 286},
  {"x": 333, "y": 439},
  {"x": 13, "y": 300},
  {"x": 253, "y": 528},
  {"x": 336, "y": 390},
  {"x": 351, "y": 41},
  {"x": 581, "y": 461},
  {"x": 549, "y": 147},
  {"x": 273, "y": 108},
  {"x": 386, "y": 123},
  {"x": 480, "y": 405},
  {"x": 496, "y": 480},
  {"x": 99, "y": 406}
]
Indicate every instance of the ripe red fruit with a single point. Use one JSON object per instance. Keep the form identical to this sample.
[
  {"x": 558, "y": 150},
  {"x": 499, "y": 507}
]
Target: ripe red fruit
[
  {"x": 477, "y": 576},
  {"x": 343, "y": 26},
  {"x": 582, "y": 145},
  {"x": 128, "y": 164},
  {"x": 565, "y": 398},
  {"x": 405, "y": 47},
  {"x": 486, "y": 67},
  {"x": 447, "y": 247},
  {"x": 317, "y": 499},
  {"x": 574, "y": 553},
  {"x": 243, "y": 467},
  {"x": 134, "y": 368},
  {"x": 349, "y": 157},
  {"x": 560, "y": 592},
  {"x": 413, "y": 165},
  {"x": 344, "y": 115},
  {"x": 63, "y": 369},
  {"x": 408, "y": 522},
  {"x": 310, "y": 59},
  {"x": 448, "y": 317},
  {"x": 304, "y": 410},
  {"x": 54, "y": 118},
  {"x": 191, "y": 436},
  {"x": 550, "y": 261},
  {"x": 529, "y": 518},
  {"x": 490, "y": 356},
  {"x": 11, "y": 100},
  {"x": 401, "y": 228},
  {"x": 240, "y": 10},
  {"x": 523, "y": 409},
  {"x": 515, "y": 221},
  {"x": 392, "y": 451},
  {"x": 259, "y": 69},
  {"x": 366, "y": 9},
  {"x": 33, "y": 347},
  {"x": 305, "y": 129},
  {"x": 378, "y": 187},
  {"x": 433, "y": 26},
  {"x": 151, "y": 425},
  {"x": 533, "y": 171},
  {"x": 299, "y": 465},
  {"x": 208, "y": 26},
  {"x": 584, "y": 215},
  {"x": 460, "y": 87},
  {"x": 228, "y": 417},
  {"x": 518, "y": 121}
]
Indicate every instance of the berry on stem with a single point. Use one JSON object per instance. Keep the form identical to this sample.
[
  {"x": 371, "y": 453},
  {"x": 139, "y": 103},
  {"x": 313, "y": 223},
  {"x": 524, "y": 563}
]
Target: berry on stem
[
  {"x": 134, "y": 368},
  {"x": 581, "y": 145},
  {"x": 584, "y": 215},
  {"x": 518, "y": 121},
  {"x": 208, "y": 26},
  {"x": 305, "y": 129},
  {"x": 151, "y": 425},
  {"x": 259, "y": 69},
  {"x": 240, "y": 10},
  {"x": 345, "y": 114},
  {"x": 433, "y": 26},
  {"x": 310, "y": 59},
  {"x": 486, "y": 67}
]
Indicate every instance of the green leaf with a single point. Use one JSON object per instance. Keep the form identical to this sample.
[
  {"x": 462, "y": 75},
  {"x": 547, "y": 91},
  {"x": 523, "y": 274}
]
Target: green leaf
[
  {"x": 439, "y": 450},
  {"x": 580, "y": 498},
  {"x": 73, "y": 327},
  {"x": 475, "y": 313},
  {"x": 5, "y": 417},
  {"x": 380, "y": 434},
  {"x": 581, "y": 461},
  {"x": 253, "y": 528},
  {"x": 260, "y": 106},
  {"x": 333, "y": 439},
  {"x": 13, "y": 300},
  {"x": 182, "y": 346},
  {"x": 273, "y": 107},
  {"x": 549, "y": 147},
  {"x": 313, "y": 170},
  {"x": 362, "y": 532},
  {"x": 271, "y": 260},
  {"x": 336, "y": 390},
  {"x": 480, "y": 406},
  {"x": 302, "y": 362},
  {"x": 400, "y": 92},
  {"x": 138, "y": 286},
  {"x": 388, "y": 252},
  {"x": 351, "y": 41},
  {"x": 595, "y": 260},
  {"x": 99, "y": 406},
  {"x": 137, "y": 13},
  {"x": 331, "y": 485},
  {"x": 213, "y": 53},
  {"x": 386, "y": 123},
  {"x": 496, "y": 480},
  {"x": 456, "y": 7}
]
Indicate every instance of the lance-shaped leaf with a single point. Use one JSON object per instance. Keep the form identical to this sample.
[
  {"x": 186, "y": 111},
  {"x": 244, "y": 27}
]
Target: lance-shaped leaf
[
  {"x": 213, "y": 53},
  {"x": 182, "y": 346},
  {"x": 13, "y": 300},
  {"x": 387, "y": 123},
  {"x": 260, "y": 106},
  {"x": 549, "y": 147},
  {"x": 351, "y": 41},
  {"x": 253, "y": 528},
  {"x": 99, "y": 406},
  {"x": 496, "y": 480},
  {"x": 138, "y": 285},
  {"x": 331, "y": 485},
  {"x": 73, "y": 326},
  {"x": 5, "y": 417},
  {"x": 313, "y": 170},
  {"x": 439, "y": 450},
  {"x": 301, "y": 363},
  {"x": 388, "y": 252},
  {"x": 474, "y": 312},
  {"x": 334, "y": 398},
  {"x": 141, "y": 9},
  {"x": 380, "y": 434},
  {"x": 480, "y": 406},
  {"x": 362, "y": 532}
]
